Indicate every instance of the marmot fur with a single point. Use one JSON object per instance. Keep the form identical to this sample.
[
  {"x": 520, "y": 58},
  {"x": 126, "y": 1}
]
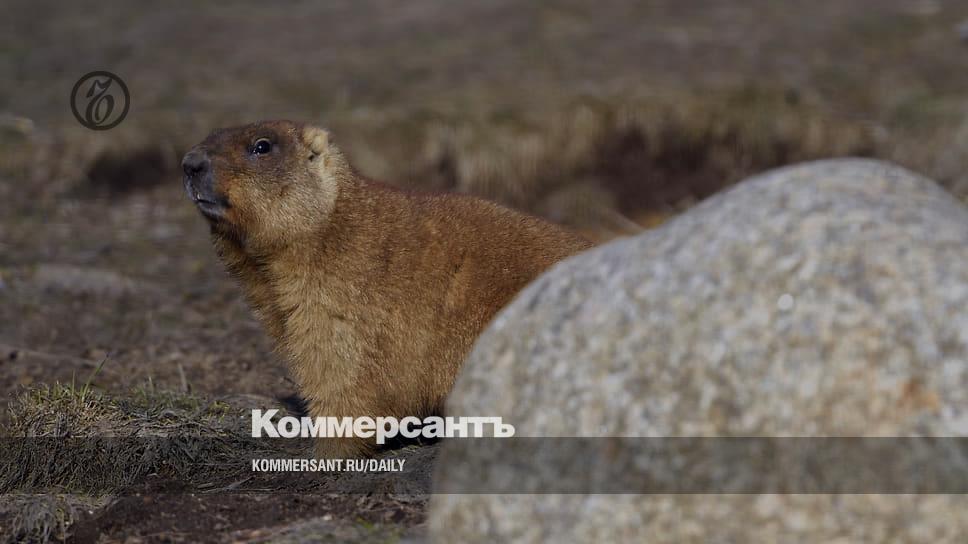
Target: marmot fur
[{"x": 373, "y": 294}]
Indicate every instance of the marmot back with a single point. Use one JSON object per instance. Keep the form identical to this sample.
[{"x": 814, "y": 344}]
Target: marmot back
[{"x": 374, "y": 295}]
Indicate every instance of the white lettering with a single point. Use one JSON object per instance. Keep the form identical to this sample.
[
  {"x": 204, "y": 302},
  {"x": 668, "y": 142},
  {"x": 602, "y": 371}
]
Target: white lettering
[{"x": 263, "y": 422}]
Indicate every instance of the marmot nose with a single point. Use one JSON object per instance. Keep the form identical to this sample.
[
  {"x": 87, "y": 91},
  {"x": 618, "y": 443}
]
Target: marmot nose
[{"x": 195, "y": 163}]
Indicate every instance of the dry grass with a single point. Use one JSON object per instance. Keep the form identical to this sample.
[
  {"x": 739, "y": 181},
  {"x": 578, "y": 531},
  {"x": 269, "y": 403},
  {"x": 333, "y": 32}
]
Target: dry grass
[
  {"x": 68, "y": 448},
  {"x": 603, "y": 164},
  {"x": 588, "y": 115},
  {"x": 44, "y": 518},
  {"x": 595, "y": 161}
]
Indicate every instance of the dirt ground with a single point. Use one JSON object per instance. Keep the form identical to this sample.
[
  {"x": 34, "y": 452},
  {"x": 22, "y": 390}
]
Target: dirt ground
[{"x": 608, "y": 117}]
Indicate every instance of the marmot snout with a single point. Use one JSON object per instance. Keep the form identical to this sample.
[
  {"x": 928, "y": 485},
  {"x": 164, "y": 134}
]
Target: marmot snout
[{"x": 374, "y": 295}]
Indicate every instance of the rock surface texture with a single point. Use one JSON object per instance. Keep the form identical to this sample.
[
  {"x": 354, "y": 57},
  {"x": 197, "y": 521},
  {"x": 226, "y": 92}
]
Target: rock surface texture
[{"x": 823, "y": 299}]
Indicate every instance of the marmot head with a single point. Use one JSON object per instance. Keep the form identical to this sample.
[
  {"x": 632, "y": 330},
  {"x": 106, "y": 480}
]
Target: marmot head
[{"x": 265, "y": 184}]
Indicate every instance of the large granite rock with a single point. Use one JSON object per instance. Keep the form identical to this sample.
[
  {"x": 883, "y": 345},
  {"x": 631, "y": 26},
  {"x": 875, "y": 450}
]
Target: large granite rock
[{"x": 824, "y": 299}]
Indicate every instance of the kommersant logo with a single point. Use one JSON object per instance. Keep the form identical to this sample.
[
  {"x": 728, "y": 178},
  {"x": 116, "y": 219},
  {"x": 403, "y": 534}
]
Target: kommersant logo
[{"x": 381, "y": 427}]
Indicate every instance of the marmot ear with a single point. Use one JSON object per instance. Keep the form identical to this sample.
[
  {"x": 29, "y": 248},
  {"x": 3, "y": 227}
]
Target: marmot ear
[{"x": 317, "y": 140}]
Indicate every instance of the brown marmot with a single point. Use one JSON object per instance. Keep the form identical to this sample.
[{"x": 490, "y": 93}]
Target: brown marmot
[{"x": 373, "y": 294}]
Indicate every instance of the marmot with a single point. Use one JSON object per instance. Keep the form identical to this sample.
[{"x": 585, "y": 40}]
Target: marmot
[{"x": 373, "y": 294}]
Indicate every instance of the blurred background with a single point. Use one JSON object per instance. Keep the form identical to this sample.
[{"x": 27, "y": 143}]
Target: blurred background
[{"x": 609, "y": 117}]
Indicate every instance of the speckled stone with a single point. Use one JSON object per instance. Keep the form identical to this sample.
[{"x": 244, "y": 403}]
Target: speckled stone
[{"x": 823, "y": 299}]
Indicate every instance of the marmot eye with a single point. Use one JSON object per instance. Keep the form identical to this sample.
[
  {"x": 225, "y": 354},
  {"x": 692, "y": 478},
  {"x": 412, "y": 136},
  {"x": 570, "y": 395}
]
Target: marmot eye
[{"x": 261, "y": 146}]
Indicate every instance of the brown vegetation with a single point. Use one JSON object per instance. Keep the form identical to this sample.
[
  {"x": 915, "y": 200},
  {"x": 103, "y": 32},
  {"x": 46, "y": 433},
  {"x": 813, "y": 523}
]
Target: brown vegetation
[{"x": 608, "y": 117}]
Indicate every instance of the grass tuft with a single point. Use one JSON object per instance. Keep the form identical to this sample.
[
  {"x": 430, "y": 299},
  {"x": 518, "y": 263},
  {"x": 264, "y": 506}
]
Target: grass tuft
[{"x": 69, "y": 448}]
